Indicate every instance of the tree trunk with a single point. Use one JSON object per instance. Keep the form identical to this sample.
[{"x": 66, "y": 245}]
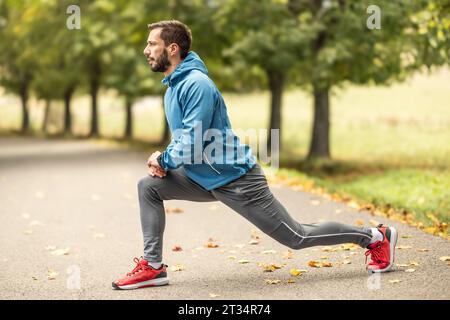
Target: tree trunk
[
  {"x": 67, "y": 117},
  {"x": 320, "y": 139},
  {"x": 276, "y": 85},
  {"x": 25, "y": 115},
  {"x": 46, "y": 115},
  {"x": 94, "y": 115},
  {"x": 166, "y": 130},
  {"x": 128, "y": 119}
]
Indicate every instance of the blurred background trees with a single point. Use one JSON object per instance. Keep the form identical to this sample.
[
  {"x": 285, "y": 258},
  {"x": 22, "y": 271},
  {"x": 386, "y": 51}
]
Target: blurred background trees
[{"x": 247, "y": 45}]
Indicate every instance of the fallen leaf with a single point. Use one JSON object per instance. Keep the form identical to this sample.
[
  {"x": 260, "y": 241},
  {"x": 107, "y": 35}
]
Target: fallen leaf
[
  {"x": 174, "y": 210},
  {"x": 243, "y": 261},
  {"x": 359, "y": 222},
  {"x": 269, "y": 267},
  {"x": 410, "y": 270},
  {"x": 211, "y": 245},
  {"x": 324, "y": 258},
  {"x": 272, "y": 281},
  {"x": 413, "y": 263},
  {"x": 406, "y": 236},
  {"x": 423, "y": 250},
  {"x": 60, "y": 252},
  {"x": 318, "y": 264},
  {"x": 177, "y": 248},
  {"x": 403, "y": 247},
  {"x": 34, "y": 278},
  {"x": 346, "y": 262},
  {"x": 177, "y": 267},
  {"x": 395, "y": 281},
  {"x": 349, "y": 246},
  {"x": 232, "y": 257},
  {"x": 290, "y": 281},
  {"x": 288, "y": 254},
  {"x": 253, "y": 241},
  {"x": 296, "y": 272},
  {"x": 445, "y": 258},
  {"x": 51, "y": 274}
]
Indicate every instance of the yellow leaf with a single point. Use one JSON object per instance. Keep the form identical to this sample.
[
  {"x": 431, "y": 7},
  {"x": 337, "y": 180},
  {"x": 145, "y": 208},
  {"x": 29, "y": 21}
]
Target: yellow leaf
[
  {"x": 51, "y": 274},
  {"x": 288, "y": 254},
  {"x": 359, "y": 222},
  {"x": 60, "y": 252},
  {"x": 395, "y": 281},
  {"x": 243, "y": 261},
  {"x": 444, "y": 258},
  {"x": 253, "y": 241},
  {"x": 406, "y": 236},
  {"x": 423, "y": 250},
  {"x": 315, "y": 264},
  {"x": 177, "y": 267},
  {"x": 232, "y": 257},
  {"x": 296, "y": 272},
  {"x": 403, "y": 247},
  {"x": 272, "y": 281}
]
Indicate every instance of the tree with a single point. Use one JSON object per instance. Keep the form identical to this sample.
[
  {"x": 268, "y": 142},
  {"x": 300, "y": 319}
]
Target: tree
[
  {"x": 17, "y": 60},
  {"x": 265, "y": 35}
]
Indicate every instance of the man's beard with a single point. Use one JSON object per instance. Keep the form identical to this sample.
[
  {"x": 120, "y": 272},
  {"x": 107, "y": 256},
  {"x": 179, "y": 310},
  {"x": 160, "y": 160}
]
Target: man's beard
[{"x": 162, "y": 63}]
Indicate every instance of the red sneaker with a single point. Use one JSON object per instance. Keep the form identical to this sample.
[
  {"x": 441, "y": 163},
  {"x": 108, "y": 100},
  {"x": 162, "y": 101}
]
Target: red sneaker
[
  {"x": 142, "y": 276},
  {"x": 382, "y": 253}
]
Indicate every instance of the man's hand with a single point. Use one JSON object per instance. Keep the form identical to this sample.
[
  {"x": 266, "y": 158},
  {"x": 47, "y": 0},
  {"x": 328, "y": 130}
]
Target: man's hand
[{"x": 154, "y": 169}]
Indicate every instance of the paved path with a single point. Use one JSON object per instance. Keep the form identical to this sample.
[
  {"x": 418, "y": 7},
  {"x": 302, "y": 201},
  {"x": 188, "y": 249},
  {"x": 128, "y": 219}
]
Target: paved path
[{"x": 82, "y": 196}]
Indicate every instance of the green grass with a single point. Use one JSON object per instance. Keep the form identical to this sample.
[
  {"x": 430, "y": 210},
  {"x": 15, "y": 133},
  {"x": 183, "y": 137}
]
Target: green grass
[{"x": 390, "y": 145}]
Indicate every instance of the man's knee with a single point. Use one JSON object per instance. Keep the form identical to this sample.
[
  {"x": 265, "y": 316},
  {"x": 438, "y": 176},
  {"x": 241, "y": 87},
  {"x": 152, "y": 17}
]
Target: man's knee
[{"x": 148, "y": 185}]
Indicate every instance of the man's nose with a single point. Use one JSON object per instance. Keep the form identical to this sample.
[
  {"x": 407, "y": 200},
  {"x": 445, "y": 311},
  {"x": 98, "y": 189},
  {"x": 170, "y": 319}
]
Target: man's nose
[{"x": 146, "y": 51}]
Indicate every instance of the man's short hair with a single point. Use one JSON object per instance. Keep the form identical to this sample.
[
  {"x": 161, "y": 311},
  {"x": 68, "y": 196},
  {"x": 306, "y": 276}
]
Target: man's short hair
[{"x": 174, "y": 31}]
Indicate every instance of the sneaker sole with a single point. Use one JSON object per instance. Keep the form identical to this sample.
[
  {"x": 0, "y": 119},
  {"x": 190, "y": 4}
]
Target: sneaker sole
[
  {"x": 392, "y": 244},
  {"x": 144, "y": 284}
]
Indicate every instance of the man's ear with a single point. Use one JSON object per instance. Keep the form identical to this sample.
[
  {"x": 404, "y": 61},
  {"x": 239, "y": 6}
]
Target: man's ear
[{"x": 173, "y": 49}]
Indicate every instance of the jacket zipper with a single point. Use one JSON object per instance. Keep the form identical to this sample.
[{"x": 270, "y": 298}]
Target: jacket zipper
[{"x": 209, "y": 163}]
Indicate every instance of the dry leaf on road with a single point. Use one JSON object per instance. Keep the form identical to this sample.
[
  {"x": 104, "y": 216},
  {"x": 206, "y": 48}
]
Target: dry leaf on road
[
  {"x": 60, "y": 252},
  {"x": 177, "y": 267}
]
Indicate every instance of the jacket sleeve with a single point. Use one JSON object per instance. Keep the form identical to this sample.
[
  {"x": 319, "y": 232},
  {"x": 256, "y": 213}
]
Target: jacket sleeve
[{"x": 197, "y": 101}]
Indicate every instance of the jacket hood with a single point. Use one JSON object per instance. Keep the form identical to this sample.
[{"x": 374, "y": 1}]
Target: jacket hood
[{"x": 191, "y": 62}]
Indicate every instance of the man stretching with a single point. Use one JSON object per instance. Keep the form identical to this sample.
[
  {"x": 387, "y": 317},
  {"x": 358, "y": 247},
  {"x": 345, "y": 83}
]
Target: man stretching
[{"x": 194, "y": 108}]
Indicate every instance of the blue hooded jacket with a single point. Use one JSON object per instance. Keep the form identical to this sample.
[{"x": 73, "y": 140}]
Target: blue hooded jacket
[{"x": 202, "y": 139}]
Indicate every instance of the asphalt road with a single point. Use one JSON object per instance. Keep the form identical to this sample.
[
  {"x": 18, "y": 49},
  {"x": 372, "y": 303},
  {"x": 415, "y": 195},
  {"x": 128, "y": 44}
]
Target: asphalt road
[{"x": 80, "y": 197}]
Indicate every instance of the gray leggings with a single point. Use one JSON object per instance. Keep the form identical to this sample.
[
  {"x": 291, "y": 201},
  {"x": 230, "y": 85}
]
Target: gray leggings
[{"x": 251, "y": 197}]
